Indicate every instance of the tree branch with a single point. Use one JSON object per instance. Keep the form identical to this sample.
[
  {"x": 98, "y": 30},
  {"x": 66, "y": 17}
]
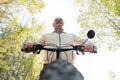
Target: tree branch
[{"x": 6, "y": 2}]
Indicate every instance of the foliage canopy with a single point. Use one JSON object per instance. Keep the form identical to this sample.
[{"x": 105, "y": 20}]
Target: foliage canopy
[{"x": 15, "y": 29}]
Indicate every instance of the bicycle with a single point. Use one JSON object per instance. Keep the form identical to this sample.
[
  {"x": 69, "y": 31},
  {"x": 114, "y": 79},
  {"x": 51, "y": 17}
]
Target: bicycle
[{"x": 58, "y": 50}]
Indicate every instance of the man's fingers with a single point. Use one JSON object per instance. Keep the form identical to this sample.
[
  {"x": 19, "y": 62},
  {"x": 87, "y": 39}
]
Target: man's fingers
[
  {"x": 27, "y": 47},
  {"x": 88, "y": 48}
]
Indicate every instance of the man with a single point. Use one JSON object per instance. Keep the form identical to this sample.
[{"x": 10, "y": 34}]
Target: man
[
  {"x": 61, "y": 39},
  {"x": 60, "y": 70}
]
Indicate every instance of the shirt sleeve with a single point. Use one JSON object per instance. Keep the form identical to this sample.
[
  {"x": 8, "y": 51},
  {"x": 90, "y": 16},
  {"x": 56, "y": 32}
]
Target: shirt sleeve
[
  {"x": 41, "y": 40},
  {"x": 78, "y": 40}
]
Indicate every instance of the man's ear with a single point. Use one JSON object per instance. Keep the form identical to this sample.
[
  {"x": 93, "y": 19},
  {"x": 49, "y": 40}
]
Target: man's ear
[{"x": 53, "y": 24}]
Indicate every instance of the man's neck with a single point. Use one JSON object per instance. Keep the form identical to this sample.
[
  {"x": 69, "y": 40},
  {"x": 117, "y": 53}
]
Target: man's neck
[{"x": 59, "y": 31}]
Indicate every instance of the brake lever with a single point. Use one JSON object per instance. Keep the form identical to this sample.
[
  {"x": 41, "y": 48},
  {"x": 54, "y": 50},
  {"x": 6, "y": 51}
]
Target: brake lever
[
  {"x": 79, "y": 48},
  {"x": 38, "y": 48},
  {"x": 77, "y": 52}
]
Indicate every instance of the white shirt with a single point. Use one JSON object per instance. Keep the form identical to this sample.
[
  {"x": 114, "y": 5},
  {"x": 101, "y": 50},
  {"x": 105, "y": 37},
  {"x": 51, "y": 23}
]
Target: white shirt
[{"x": 61, "y": 40}]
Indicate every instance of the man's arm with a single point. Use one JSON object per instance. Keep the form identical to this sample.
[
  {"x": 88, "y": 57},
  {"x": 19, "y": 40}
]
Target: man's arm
[
  {"x": 29, "y": 46},
  {"x": 88, "y": 46}
]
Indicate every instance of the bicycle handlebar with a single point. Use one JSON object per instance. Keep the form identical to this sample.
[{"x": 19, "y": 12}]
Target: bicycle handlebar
[
  {"x": 39, "y": 47},
  {"x": 77, "y": 48},
  {"x": 58, "y": 50}
]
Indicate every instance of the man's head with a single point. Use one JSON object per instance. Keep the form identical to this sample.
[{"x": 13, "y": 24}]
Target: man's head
[
  {"x": 58, "y": 24},
  {"x": 60, "y": 70}
]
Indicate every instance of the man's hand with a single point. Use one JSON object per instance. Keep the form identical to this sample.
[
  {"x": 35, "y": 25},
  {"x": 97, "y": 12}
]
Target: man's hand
[
  {"x": 28, "y": 47},
  {"x": 89, "y": 48}
]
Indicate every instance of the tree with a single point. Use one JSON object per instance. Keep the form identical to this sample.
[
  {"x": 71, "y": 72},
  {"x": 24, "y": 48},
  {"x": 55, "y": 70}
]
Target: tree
[
  {"x": 15, "y": 29},
  {"x": 111, "y": 75},
  {"x": 112, "y": 6},
  {"x": 113, "y": 9},
  {"x": 93, "y": 15}
]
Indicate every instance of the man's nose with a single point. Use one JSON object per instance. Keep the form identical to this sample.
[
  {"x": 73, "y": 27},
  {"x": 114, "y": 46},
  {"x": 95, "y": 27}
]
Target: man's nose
[{"x": 59, "y": 20}]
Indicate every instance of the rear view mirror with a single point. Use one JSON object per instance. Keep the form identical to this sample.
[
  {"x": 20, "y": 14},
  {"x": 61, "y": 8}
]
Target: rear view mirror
[{"x": 91, "y": 34}]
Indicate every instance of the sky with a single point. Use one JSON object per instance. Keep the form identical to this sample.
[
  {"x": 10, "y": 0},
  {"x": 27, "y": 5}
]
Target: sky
[
  {"x": 63, "y": 9},
  {"x": 92, "y": 66}
]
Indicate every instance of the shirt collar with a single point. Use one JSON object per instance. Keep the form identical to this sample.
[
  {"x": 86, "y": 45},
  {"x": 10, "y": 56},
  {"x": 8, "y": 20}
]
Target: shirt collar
[{"x": 57, "y": 32}]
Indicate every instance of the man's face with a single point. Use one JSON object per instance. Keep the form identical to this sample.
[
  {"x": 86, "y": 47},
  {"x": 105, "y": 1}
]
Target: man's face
[{"x": 58, "y": 23}]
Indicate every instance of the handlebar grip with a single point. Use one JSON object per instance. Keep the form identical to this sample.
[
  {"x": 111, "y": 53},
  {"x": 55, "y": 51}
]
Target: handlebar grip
[
  {"x": 38, "y": 46},
  {"x": 93, "y": 51}
]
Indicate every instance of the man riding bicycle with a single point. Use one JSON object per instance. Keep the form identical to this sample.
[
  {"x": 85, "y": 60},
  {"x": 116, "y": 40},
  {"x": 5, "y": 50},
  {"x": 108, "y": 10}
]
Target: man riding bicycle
[{"x": 59, "y": 38}]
